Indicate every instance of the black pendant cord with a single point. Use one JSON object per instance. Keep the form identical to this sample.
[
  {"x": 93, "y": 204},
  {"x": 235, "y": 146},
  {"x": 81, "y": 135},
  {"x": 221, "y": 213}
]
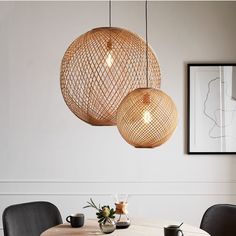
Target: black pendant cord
[
  {"x": 146, "y": 20},
  {"x": 109, "y": 13}
]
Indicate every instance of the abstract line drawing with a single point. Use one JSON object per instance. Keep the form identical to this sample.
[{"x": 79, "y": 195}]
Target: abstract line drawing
[
  {"x": 212, "y": 108},
  {"x": 216, "y": 115}
]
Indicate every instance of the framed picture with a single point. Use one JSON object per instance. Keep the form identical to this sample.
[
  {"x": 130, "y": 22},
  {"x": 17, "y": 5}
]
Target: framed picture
[{"x": 212, "y": 108}]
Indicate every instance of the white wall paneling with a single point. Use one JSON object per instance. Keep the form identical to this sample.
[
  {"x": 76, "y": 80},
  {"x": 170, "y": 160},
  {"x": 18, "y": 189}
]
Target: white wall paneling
[{"x": 46, "y": 153}]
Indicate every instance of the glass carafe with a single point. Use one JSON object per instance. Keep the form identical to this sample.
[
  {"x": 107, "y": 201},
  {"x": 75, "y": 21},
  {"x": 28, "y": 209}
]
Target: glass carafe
[{"x": 122, "y": 219}]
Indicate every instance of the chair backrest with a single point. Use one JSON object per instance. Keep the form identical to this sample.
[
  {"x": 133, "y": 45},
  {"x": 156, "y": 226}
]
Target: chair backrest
[
  {"x": 30, "y": 219},
  {"x": 220, "y": 220}
]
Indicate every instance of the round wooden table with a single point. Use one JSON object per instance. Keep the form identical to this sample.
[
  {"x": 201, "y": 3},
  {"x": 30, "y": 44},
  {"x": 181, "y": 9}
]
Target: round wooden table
[{"x": 137, "y": 227}]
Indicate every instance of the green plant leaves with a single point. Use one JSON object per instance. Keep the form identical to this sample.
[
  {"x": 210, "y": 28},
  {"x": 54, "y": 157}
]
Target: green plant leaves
[{"x": 104, "y": 212}]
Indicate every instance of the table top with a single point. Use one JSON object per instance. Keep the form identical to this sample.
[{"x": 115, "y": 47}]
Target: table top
[{"x": 137, "y": 228}]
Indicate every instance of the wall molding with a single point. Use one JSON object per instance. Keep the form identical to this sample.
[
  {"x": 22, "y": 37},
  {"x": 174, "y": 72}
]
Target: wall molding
[
  {"x": 105, "y": 188},
  {"x": 109, "y": 194},
  {"x": 114, "y": 182}
]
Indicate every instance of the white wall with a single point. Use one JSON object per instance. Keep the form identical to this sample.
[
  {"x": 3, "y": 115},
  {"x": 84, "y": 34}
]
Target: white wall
[{"x": 46, "y": 153}]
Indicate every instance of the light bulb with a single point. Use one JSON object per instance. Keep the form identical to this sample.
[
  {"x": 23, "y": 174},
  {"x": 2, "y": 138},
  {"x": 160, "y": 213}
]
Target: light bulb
[
  {"x": 147, "y": 117},
  {"x": 109, "y": 59}
]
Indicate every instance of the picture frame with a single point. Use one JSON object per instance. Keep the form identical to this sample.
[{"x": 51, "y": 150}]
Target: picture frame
[{"x": 211, "y": 108}]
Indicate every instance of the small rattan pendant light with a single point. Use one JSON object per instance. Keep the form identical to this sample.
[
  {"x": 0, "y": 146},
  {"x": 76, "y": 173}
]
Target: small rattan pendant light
[
  {"x": 100, "y": 68},
  {"x": 146, "y": 117}
]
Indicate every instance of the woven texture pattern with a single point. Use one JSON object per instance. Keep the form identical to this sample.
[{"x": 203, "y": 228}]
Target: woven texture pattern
[
  {"x": 100, "y": 68},
  {"x": 146, "y": 118}
]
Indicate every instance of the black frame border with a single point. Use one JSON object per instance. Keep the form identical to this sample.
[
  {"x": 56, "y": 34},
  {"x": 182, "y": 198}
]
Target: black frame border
[{"x": 189, "y": 65}]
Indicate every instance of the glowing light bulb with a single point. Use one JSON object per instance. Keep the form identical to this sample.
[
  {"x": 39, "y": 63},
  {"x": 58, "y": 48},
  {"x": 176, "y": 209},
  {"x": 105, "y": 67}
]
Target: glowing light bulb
[
  {"x": 109, "y": 59},
  {"x": 147, "y": 117}
]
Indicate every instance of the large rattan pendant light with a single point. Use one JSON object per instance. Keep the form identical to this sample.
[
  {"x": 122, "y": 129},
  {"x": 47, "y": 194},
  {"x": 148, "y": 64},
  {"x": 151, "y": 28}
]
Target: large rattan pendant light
[
  {"x": 100, "y": 68},
  {"x": 146, "y": 117}
]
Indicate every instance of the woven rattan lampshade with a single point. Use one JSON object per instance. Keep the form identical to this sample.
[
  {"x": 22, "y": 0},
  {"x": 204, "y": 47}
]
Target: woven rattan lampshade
[
  {"x": 146, "y": 118},
  {"x": 100, "y": 68}
]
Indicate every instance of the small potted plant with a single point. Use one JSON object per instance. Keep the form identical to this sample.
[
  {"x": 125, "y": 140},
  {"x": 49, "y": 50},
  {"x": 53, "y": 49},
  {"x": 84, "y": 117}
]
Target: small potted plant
[{"x": 105, "y": 216}]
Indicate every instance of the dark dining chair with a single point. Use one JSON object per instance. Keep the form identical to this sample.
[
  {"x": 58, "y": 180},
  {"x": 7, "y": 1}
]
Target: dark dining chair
[
  {"x": 220, "y": 220},
  {"x": 30, "y": 219}
]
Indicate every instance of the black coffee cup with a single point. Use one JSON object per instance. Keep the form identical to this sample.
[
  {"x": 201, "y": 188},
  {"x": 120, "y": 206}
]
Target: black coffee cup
[
  {"x": 76, "y": 220},
  {"x": 173, "y": 230}
]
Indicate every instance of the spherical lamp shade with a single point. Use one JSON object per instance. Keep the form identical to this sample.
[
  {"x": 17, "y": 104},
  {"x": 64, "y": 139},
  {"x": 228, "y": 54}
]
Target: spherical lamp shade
[
  {"x": 100, "y": 68},
  {"x": 146, "y": 118}
]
